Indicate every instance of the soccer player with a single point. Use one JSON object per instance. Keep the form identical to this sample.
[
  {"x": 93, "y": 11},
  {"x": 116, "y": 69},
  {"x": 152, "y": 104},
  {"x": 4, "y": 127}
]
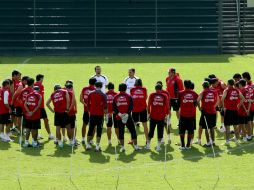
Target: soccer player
[
  {"x": 230, "y": 100},
  {"x": 139, "y": 110},
  {"x": 158, "y": 109},
  {"x": 61, "y": 102},
  {"x": 111, "y": 116},
  {"x": 209, "y": 100},
  {"x": 174, "y": 86},
  {"x": 244, "y": 111},
  {"x": 83, "y": 99},
  {"x": 32, "y": 116},
  {"x": 188, "y": 103},
  {"x": 122, "y": 105},
  {"x": 100, "y": 78},
  {"x": 250, "y": 88},
  {"x": 97, "y": 108},
  {"x": 39, "y": 83},
  {"x": 130, "y": 80},
  {"x": 237, "y": 77},
  {"x": 5, "y": 118}
]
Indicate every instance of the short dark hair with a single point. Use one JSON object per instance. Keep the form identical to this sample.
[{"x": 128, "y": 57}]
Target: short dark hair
[
  {"x": 206, "y": 84},
  {"x": 98, "y": 84},
  {"x": 30, "y": 81},
  {"x": 122, "y": 87},
  {"x": 159, "y": 82},
  {"x": 10, "y": 81},
  {"x": 96, "y": 67},
  {"x": 5, "y": 82},
  {"x": 25, "y": 78},
  {"x": 158, "y": 87},
  {"x": 57, "y": 87},
  {"x": 138, "y": 82},
  {"x": 231, "y": 82},
  {"x": 211, "y": 76},
  {"x": 69, "y": 82},
  {"x": 213, "y": 80},
  {"x": 246, "y": 75},
  {"x": 132, "y": 69},
  {"x": 237, "y": 76},
  {"x": 242, "y": 82},
  {"x": 111, "y": 86},
  {"x": 15, "y": 73},
  {"x": 39, "y": 77},
  {"x": 192, "y": 86},
  {"x": 36, "y": 88},
  {"x": 68, "y": 85},
  {"x": 92, "y": 81},
  {"x": 187, "y": 84}
]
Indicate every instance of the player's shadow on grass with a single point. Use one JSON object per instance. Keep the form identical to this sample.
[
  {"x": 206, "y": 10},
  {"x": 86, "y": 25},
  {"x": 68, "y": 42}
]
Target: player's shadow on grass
[
  {"x": 111, "y": 149},
  {"x": 127, "y": 158},
  {"x": 61, "y": 152},
  {"x": 4, "y": 146},
  {"x": 219, "y": 135},
  {"x": 96, "y": 157},
  {"x": 193, "y": 154},
  {"x": 209, "y": 152},
  {"x": 32, "y": 151},
  {"x": 241, "y": 149},
  {"x": 160, "y": 156}
]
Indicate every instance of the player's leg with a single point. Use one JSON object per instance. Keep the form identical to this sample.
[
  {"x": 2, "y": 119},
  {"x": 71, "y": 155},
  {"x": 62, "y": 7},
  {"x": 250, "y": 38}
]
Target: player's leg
[
  {"x": 190, "y": 130},
  {"x": 182, "y": 130},
  {"x": 84, "y": 126},
  {"x": 160, "y": 130},
  {"x": 109, "y": 128},
  {"x": 116, "y": 126},
  {"x": 92, "y": 125},
  {"x": 150, "y": 133},
  {"x": 143, "y": 119},
  {"x": 121, "y": 128},
  {"x": 131, "y": 127},
  {"x": 99, "y": 127}
]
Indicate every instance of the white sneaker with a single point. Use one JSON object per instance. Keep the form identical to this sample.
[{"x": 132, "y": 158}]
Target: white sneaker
[
  {"x": 97, "y": 149},
  {"x": 88, "y": 146},
  {"x": 222, "y": 129},
  {"x": 162, "y": 141},
  {"x": 2, "y": 137},
  {"x": 245, "y": 139},
  {"x": 198, "y": 141},
  {"x": 122, "y": 149},
  {"x": 8, "y": 139},
  {"x": 158, "y": 148},
  {"x": 26, "y": 144},
  {"x": 181, "y": 148},
  {"x": 137, "y": 148},
  {"x": 51, "y": 137},
  {"x": 60, "y": 144},
  {"x": 91, "y": 142},
  {"x": 147, "y": 147}
]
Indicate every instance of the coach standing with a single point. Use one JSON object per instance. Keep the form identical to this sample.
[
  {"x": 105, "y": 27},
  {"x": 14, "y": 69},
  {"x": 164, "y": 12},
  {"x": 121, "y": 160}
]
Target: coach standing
[
  {"x": 130, "y": 80},
  {"x": 100, "y": 78}
]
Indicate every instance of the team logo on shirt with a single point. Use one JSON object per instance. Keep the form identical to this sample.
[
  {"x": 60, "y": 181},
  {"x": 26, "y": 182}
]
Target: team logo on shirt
[
  {"x": 188, "y": 98},
  {"x": 233, "y": 95},
  {"x": 209, "y": 97},
  {"x": 122, "y": 101},
  {"x": 158, "y": 101},
  {"x": 58, "y": 97}
]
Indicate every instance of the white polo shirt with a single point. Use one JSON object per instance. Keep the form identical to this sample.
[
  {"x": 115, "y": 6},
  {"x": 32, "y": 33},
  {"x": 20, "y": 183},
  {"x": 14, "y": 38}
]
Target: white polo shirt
[
  {"x": 103, "y": 79},
  {"x": 130, "y": 82}
]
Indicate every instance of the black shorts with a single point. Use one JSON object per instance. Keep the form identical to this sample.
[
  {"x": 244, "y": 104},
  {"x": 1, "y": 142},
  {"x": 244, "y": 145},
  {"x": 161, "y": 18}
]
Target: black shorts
[
  {"x": 13, "y": 110},
  {"x": 231, "y": 118},
  {"x": 110, "y": 121},
  {"x": 86, "y": 118},
  {"x": 19, "y": 111},
  {"x": 140, "y": 116},
  {"x": 43, "y": 113},
  {"x": 174, "y": 103},
  {"x": 72, "y": 121},
  {"x": 210, "y": 119},
  {"x": 95, "y": 122},
  {"x": 5, "y": 119},
  {"x": 160, "y": 128},
  {"x": 243, "y": 119},
  {"x": 61, "y": 119},
  {"x": 187, "y": 124},
  {"x": 251, "y": 116},
  {"x": 130, "y": 126},
  {"x": 32, "y": 124}
]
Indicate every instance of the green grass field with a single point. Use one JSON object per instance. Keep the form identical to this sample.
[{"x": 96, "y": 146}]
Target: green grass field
[{"x": 50, "y": 167}]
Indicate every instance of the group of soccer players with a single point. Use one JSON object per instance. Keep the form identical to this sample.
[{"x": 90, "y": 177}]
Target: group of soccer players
[{"x": 22, "y": 108}]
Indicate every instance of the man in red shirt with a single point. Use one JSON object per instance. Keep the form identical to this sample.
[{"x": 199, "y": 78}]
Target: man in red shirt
[
  {"x": 16, "y": 78},
  {"x": 5, "y": 118},
  {"x": 61, "y": 102},
  {"x": 97, "y": 108},
  {"x": 139, "y": 111},
  {"x": 83, "y": 99},
  {"x": 174, "y": 86},
  {"x": 32, "y": 116},
  {"x": 111, "y": 116},
  {"x": 122, "y": 105},
  {"x": 250, "y": 88},
  {"x": 230, "y": 101},
  {"x": 209, "y": 100},
  {"x": 39, "y": 81},
  {"x": 158, "y": 109},
  {"x": 244, "y": 111},
  {"x": 187, "y": 121}
]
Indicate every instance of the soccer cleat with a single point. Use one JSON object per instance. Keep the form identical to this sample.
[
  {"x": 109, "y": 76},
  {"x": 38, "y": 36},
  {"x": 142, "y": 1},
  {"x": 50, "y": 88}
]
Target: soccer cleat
[
  {"x": 122, "y": 149},
  {"x": 91, "y": 142},
  {"x": 198, "y": 141},
  {"x": 137, "y": 148},
  {"x": 36, "y": 145},
  {"x": 97, "y": 149},
  {"x": 245, "y": 139},
  {"x": 65, "y": 139},
  {"x": 88, "y": 146},
  {"x": 26, "y": 144},
  {"x": 15, "y": 130},
  {"x": 207, "y": 145},
  {"x": 60, "y": 144},
  {"x": 222, "y": 129},
  {"x": 147, "y": 147},
  {"x": 8, "y": 139},
  {"x": 51, "y": 137},
  {"x": 188, "y": 147},
  {"x": 182, "y": 148},
  {"x": 158, "y": 148}
]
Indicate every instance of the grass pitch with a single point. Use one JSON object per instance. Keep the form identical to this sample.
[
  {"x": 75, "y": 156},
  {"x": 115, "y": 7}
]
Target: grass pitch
[{"x": 50, "y": 167}]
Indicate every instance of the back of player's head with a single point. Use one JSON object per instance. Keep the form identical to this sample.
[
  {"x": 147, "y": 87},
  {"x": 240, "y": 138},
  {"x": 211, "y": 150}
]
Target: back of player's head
[
  {"x": 206, "y": 84},
  {"x": 138, "y": 82},
  {"x": 15, "y": 73},
  {"x": 213, "y": 80},
  {"x": 211, "y": 76},
  {"x": 242, "y": 82},
  {"x": 39, "y": 77},
  {"x": 122, "y": 87},
  {"x": 25, "y": 78},
  {"x": 98, "y": 84},
  {"x": 132, "y": 70},
  {"x": 10, "y": 81},
  {"x": 5, "y": 83},
  {"x": 111, "y": 86},
  {"x": 69, "y": 85},
  {"x": 192, "y": 86},
  {"x": 231, "y": 82},
  {"x": 207, "y": 79},
  {"x": 237, "y": 76},
  {"x": 246, "y": 75},
  {"x": 97, "y": 67},
  {"x": 30, "y": 82},
  {"x": 159, "y": 82},
  {"x": 187, "y": 84},
  {"x": 36, "y": 88},
  {"x": 172, "y": 70},
  {"x": 158, "y": 87},
  {"x": 57, "y": 87},
  {"x": 92, "y": 81}
]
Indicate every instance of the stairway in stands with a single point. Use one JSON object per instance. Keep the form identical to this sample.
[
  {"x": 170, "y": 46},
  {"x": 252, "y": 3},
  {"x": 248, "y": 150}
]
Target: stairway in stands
[{"x": 237, "y": 38}]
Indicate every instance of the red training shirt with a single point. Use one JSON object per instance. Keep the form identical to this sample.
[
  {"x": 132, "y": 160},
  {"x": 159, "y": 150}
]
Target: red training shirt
[{"x": 139, "y": 96}]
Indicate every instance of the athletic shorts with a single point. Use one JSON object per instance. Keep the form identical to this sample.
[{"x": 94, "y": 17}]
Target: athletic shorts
[
  {"x": 86, "y": 118},
  {"x": 110, "y": 121},
  {"x": 231, "y": 117},
  {"x": 174, "y": 103},
  {"x": 43, "y": 113},
  {"x": 160, "y": 128},
  {"x": 5, "y": 119},
  {"x": 210, "y": 119},
  {"x": 32, "y": 124},
  {"x": 18, "y": 111},
  {"x": 140, "y": 116},
  {"x": 95, "y": 122},
  {"x": 251, "y": 116},
  {"x": 61, "y": 119},
  {"x": 243, "y": 119},
  {"x": 72, "y": 121},
  {"x": 13, "y": 110},
  {"x": 187, "y": 124}
]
